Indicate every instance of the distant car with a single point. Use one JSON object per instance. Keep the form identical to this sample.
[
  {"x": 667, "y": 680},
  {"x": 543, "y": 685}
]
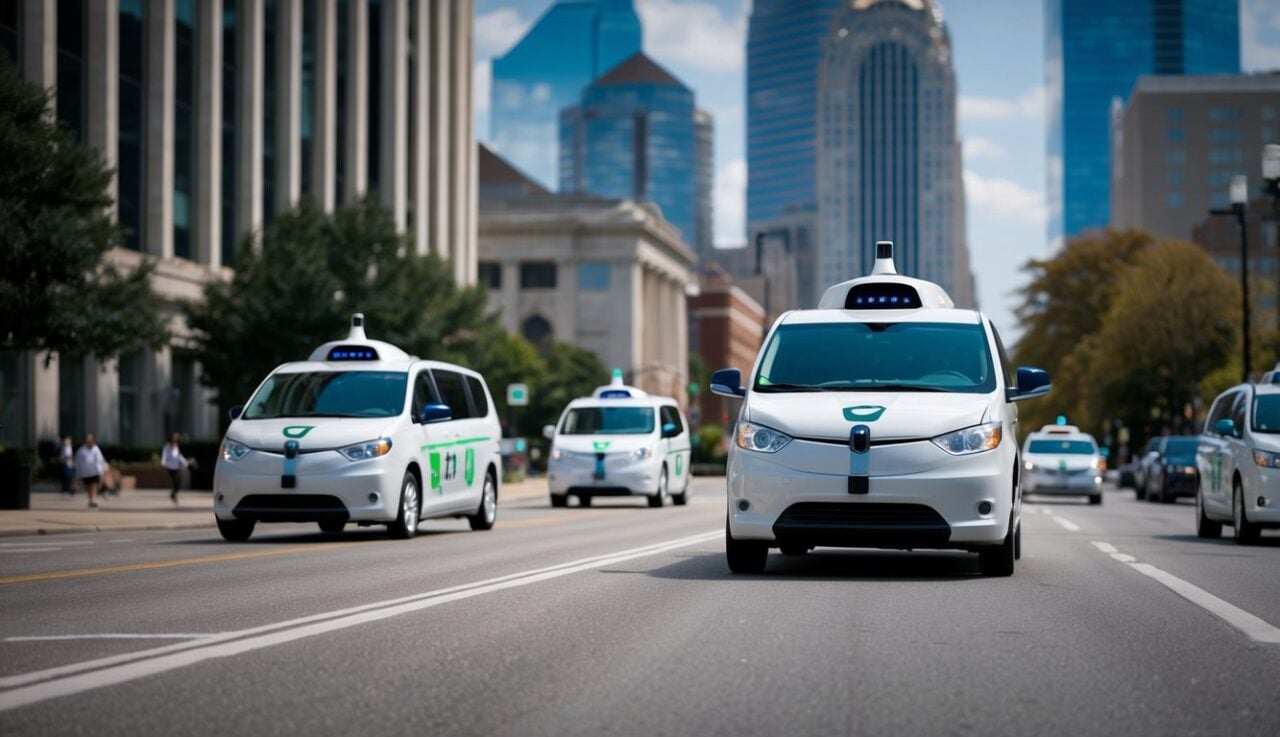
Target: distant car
[
  {"x": 1173, "y": 473},
  {"x": 1145, "y": 462},
  {"x": 1239, "y": 463},
  {"x": 1061, "y": 460}
]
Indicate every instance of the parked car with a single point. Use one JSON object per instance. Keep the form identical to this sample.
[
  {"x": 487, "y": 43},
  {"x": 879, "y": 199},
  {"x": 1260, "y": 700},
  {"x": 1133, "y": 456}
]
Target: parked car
[
  {"x": 1145, "y": 462},
  {"x": 1239, "y": 463},
  {"x": 1173, "y": 473}
]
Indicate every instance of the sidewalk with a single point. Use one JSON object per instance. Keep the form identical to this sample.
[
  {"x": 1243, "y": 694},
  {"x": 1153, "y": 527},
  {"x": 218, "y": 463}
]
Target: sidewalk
[{"x": 148, "y": 509}]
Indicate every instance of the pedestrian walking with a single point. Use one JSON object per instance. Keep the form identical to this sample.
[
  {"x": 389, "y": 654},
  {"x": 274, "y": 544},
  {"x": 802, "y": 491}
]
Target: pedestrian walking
[
  {"x": 173, "y": 461},
  {"x": 67, "y": 457},
  {"x": 90, "y": 465}
]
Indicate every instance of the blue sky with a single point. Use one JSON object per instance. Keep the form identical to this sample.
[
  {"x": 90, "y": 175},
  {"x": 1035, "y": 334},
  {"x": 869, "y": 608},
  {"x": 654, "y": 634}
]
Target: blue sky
[{"x": 999, "y": 57}]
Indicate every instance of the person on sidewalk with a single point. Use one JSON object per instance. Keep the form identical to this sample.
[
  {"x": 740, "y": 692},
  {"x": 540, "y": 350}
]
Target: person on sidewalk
[
  {"x": 90, "y": 465},
  {"x": 173, "y": 461},
  {"x": 67, "y": 455}
]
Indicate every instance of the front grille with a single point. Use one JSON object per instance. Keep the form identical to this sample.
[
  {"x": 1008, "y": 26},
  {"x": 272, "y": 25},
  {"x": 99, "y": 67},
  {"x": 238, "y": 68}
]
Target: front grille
[
  {"x": 291, "y": 508},
  {"x": 866, "y": 524}
]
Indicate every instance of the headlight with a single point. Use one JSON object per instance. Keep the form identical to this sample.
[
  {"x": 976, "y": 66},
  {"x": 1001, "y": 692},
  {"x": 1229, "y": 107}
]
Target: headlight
[
  {"x": 1029, "y": 466},
  {"x": 556, "y": 454},
  {"x": 976, "y": 439},
  {"x": 642, "y": 453},
  {"x": 233, "y": 451},
  {"x": 1266, "y": 458},
  {"x": 1190, "y": 469},
  {"x": 760, "y": 438},
  {"x": 367, "y": 450},
  {"x": 1099, "y": 464}
]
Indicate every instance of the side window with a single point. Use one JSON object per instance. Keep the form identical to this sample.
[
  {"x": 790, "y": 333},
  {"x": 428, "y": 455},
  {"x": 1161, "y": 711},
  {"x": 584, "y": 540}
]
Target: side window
[
  {"x": 1005, "y": 366},
  {"x": 452, "y": 392},
  {"x": 1237, "y": 412},
  {"x": 424, "y": 393},
  {"x": 674, "y": 418},
  {"x": 479, "y": 400},
  {"x": 1221, "y": 410}
]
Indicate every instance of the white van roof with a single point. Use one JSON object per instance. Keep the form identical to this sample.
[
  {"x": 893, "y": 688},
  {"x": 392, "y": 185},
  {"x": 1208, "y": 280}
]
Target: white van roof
[{"x": 885, "y": 289}]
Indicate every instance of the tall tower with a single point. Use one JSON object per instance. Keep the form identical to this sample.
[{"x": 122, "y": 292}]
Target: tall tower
[
  {"x": 1095, "y": 52},
  {"x": 890, "y": 164}
]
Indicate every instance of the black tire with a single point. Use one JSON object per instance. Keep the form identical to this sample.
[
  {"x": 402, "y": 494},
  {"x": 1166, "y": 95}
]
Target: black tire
[
  {"x": 1206, "y": 529},
  {"x": 406, "y": 524},
  {"x": 998, "y": 561},
  {"x": 657, "y": 500},
  {"x": 332, "y": 527},
  {"x": 559, "y": 500},
  {"x": 794, "y": 550},
  {"x": 1246, "y": 532},
  {"x": 1140, "y": 491},
  {"x": 682, "y": 498},
  {"x": 1017, "y": 543},
  {"x": 584, "y": 500},
  {"x": 235, "y": 530},
  {"x": 1095, "y": 499},
  {"x": 744, "y": 556},
  {"x": 487, "y": 513}
]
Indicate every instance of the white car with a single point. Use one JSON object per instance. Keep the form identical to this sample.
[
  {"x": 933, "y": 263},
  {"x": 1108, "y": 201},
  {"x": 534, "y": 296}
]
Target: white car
[
  {"x": 885, "y": 418},
  {"x": 1061, "y": 460},
  {"x": 1239, "y": 463},
  {"x": 361, "y": 432},
  {"x": 619, "y": 442}
]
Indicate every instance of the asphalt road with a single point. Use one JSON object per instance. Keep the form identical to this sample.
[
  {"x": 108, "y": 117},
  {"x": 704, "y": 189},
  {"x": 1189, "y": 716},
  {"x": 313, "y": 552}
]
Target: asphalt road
[{"x": 623, "y": 620}]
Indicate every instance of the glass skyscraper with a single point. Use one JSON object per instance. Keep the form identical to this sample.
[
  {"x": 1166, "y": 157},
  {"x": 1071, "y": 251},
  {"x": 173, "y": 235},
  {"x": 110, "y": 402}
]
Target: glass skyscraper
[
  {"x": 574, "y": 42},
  {"x": 636, "y": 135},
  {"x": 1096, "y": 50},
  {"x": 889, "y": 160}
]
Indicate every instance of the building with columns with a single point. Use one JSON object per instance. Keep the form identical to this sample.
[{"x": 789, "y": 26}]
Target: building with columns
[
  {"x": 216, "y": 115},
  {"x": 608, "y": 275}
]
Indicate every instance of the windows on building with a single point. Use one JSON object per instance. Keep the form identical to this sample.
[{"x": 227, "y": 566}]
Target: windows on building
[
  {"x": 1174, "y": 200},
  {"x": 11, "y": 32},
  {"x": 538, "y": 275},
  {"x": 594, "y": 276},
  {"x": 1225, "y": 135},
  {"x": 1175, "y": 156},
  {"x": 130, "y": 148},
  {"x": 490, "y": 274},
  {"x": 229, "y": 112},
  {"x": 70, "y": 93},
  {"x": 184, "y": 127}
]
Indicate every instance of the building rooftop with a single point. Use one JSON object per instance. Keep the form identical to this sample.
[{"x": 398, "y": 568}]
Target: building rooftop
[
  {"x": 638, "y": 69},
  {"x": 1223, "y": 83},
  {"x": 496, "y": 170}
]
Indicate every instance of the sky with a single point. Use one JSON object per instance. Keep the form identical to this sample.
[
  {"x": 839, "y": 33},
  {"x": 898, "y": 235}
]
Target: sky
[{"x": 999, "y": 58}]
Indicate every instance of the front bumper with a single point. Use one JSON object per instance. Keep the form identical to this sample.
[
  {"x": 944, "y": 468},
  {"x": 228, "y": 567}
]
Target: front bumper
[
  {"x": 327, "y": 486},
  {"x": 1062, "y": 483},
  {"x": 919, "y": 496},
  {"x": 623, "y": 475}
]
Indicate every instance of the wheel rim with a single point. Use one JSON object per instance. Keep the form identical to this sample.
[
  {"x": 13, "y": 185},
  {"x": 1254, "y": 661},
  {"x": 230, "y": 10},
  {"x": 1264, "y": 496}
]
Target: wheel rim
[
  {"x": 410, "y": 505},
  {"x": 490, "y": 501}
]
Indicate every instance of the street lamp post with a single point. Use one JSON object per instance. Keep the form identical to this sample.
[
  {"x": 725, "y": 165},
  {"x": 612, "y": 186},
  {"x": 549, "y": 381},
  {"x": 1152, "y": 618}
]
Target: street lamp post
[{"x": 1240, "y": 205}]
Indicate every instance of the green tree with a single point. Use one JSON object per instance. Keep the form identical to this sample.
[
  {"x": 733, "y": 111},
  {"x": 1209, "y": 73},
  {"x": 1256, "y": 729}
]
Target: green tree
[
  {"x": 59, "y": 291},
  {"x": 571, "y": 372}
]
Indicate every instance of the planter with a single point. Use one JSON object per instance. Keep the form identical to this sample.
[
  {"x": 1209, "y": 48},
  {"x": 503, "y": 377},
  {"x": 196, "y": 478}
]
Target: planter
[{"x": 15, "y": 485}]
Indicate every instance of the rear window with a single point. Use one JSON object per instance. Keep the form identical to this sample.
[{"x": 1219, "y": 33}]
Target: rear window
[
  {"x": 1062, "y": 447},
  {"x": 478, "y": 396},
  {"x": 452, "y": 392}
]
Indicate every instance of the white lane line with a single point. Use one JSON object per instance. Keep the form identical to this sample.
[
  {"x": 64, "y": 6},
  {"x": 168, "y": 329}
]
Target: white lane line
[
  {"x": 1067, "y": 524},
  {"x": 1257, "y": 629},
  {"x": 113, "y": 636},
  {"x": 1105, "y": 547},
  {"x": 160, "y": 660}
]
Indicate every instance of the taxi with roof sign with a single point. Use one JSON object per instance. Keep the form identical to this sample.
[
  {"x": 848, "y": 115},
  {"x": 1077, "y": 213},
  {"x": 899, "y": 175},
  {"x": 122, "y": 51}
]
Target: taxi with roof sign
[
  {"x": 362, "y": 433},
  {"x": 885, "y": 418},
  {"x": 620, "y": 441}
]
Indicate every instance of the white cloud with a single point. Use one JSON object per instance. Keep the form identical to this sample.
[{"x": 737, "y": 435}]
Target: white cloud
[
  {"x": 1257, "y": 52},
  {"x": 498, "y": 31},
  {"x": 977, "y": 147},
  {"x": 1005, "y": 200},
  {"x": 1030, "y": 106},
  {"x": 481, "y": 81},
  {"x": 693, "y": 33},
  {"x": 730, "y": 201}
]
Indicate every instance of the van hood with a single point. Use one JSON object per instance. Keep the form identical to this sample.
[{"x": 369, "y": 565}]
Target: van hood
[
  {"x": 890, "y": 415},
  {"x": 604, "y": 443},
  {"x": 312, "y": 433}
]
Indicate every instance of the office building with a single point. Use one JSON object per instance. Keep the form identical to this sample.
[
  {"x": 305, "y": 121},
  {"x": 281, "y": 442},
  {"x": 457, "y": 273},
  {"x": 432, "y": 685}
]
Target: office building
[
  {"x": 1095, "y": 52},
  {"x": 636, "y": 134},
  {"x": 573, "y": 43},
  {"x": 216, "y": 115},
  {"x": 890, "y": 165}
]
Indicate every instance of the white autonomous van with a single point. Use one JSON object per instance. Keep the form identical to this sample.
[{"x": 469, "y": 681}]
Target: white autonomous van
[
  {"x": 360, "y": 432},
  {"x": 620, "y": 441},
  {"x": 1061, "y": 460},
  {"x": 885, "y": 418}
]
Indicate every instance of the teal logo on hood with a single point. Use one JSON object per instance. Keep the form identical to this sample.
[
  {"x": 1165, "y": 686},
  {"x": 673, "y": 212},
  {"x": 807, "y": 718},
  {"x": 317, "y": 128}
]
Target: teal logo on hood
[
  {"x": 863, "y": 413},
  {"x": 297, "y": 431}
]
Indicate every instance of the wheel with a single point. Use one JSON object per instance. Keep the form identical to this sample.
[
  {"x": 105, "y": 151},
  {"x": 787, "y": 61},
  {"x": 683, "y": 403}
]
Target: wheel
[
  {"x": 559, "y": 500},
  {"x": 1140, "y": 491},
  {"x": 332, "y": 527},
  {"x": 487, "y": 514},
  {"x": 657, "y": 500},
  {"x": 235, "y": 530},
  {"x": 682, "y": 498},
  {"x": 1246, "y": 531},
  {"x": 998, "y": 561},
  {"x": 1206, "y": 528},
  {"x": 584, "y": 501},
  {"x": 744, "y": 556},
  {"x": 1017, "y": 543},
  {"x": 1162, "y": 493},
  {"x": 1095, "y": 499},
  {"x": 794, "y": 550},
  {"x": 406, "y": 524}
]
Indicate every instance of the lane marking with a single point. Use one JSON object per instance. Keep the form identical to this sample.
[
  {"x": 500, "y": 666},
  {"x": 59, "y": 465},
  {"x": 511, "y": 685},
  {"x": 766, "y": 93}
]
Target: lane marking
[
  {"x": 1104, "y": 547},
  {"x": 111, "y": 636},
  {"x": 128, "y": 568},
  {"x": 38, "y": 686},
  {"x": 1067, "y": 524}
]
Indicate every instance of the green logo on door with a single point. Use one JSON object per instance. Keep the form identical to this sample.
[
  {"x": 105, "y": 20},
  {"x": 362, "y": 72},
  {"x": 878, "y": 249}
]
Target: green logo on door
[
  {"x": 600, "y": 445},
  {"x": 469, "y": 466},
  {"x": 863, "y": 413},
  {"x": 297, "y": 431},
  {"x": 434, "y": 461},
  {"x": 679, "y": 464}
]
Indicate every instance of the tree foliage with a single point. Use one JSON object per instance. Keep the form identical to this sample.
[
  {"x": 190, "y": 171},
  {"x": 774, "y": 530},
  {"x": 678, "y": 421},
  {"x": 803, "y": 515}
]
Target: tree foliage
[{"x": 58, "y": 291}]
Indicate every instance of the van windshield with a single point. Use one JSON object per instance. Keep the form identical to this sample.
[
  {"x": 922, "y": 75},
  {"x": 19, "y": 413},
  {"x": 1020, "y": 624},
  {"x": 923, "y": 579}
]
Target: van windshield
[
  {"x": 1266, "y": 413},
  {"x": 608, "y": 421},
  {"x": 1062, "y": 447},
  {"x": 329, "y": 394},
  {"x": 852, "y": 357}
]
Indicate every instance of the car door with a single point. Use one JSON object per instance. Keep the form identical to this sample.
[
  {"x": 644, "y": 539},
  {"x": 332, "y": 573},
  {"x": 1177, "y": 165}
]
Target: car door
[
  {"x": 1214, "y": 458},
  {"x": 445, "y": 458},
  {"x": 428, "y": 437},
  {"x": 481, "y": 435},
  {"x": 678, "y": 451}
]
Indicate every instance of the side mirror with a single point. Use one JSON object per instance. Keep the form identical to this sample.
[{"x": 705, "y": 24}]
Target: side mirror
[
  {"x": 728, "y": 383},
  {"x": 235, "y": 412},
  {"x": 435, "y": 413},
  {"x": 669, "y": 430},
  {"x": 1225, "y": 427},
  {"x": 549, "y": 432},
  {"x": 1032, "y": 383}
]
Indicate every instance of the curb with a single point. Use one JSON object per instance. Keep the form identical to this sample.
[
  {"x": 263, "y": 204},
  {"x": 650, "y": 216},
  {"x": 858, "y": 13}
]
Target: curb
[{"x": 104, "y": 528}]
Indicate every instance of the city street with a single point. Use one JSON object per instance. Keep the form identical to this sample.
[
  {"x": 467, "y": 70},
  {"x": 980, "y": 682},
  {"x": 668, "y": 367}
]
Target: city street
[{"x": 623, "y": 619}]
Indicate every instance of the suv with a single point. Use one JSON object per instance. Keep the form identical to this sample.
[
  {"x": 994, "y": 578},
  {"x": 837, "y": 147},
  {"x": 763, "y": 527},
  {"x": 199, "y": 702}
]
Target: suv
[
  {"x": 1239, "y": 463},
  {"x": 885, "y": 418}
]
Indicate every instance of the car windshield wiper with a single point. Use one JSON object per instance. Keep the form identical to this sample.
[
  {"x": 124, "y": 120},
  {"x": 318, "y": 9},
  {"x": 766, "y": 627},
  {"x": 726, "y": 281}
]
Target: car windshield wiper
[
  {"x": 885, "y": 388},
  {"x": 783, "y": 387}
]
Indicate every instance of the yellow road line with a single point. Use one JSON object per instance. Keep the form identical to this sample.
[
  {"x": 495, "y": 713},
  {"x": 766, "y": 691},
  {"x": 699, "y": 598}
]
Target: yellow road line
[{"x": 79, "y": 572}]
